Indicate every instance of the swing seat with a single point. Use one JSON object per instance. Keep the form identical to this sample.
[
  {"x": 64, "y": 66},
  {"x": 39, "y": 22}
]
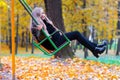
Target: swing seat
[{"x": 48, "y": 51}]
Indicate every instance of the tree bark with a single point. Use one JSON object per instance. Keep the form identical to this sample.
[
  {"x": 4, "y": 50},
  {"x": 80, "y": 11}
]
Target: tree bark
[{"x": 54, "y": 12}]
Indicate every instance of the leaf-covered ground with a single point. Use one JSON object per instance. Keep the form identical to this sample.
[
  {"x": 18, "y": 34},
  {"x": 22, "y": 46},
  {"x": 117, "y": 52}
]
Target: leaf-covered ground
[{"x": 33, "y": 68}]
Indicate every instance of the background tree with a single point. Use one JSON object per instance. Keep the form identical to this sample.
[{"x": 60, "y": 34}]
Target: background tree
[
  {"x": 4, "y": 23},
  {"x": 17, "y": 36},
  {"x": 118, "y": 28},
  {"x": 54, "y": 12}
]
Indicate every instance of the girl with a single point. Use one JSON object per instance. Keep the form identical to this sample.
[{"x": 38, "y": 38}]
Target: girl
[{"x": 57, "y": 38}]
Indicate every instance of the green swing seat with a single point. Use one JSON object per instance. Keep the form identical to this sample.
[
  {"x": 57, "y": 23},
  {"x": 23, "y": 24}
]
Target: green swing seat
[{"x": 38, "y": 44}]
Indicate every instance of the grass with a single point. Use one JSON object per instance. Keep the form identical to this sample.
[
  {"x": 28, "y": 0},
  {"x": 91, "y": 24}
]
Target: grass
[{"x": 114, "y": 60}]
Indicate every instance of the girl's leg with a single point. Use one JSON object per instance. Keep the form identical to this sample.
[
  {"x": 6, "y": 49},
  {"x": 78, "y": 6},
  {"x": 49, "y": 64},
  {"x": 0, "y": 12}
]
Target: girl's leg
[
  {"x": 75, "y": 35},
  {"x": 83, "y": 40}
]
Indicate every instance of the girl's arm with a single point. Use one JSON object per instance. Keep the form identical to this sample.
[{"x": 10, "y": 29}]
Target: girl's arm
[{"x": 39, "y": 27}]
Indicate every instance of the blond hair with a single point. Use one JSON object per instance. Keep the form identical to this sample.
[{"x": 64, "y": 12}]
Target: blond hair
[{"x": 37, "y": 11}]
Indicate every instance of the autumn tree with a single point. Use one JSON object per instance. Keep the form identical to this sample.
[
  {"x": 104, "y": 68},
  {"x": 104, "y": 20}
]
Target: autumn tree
[
  {"x": 6, "y": 25},
  {"x": 54, "y": 12}
]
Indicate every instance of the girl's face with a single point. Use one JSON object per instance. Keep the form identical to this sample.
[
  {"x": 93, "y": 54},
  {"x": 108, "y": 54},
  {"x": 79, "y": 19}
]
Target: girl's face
[{"x": 42, "y": 15}]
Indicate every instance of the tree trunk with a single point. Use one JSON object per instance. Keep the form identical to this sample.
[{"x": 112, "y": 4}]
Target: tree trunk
[
  {"x": 22, "y": 40},
  {"x": 54, "y": 12},
  {"x": 118, "y": 48},
  {"x": 111, "y": 42},
  {"x": 85, "y": 49},
  {"x": 107, "y": 49},
  {"x": 85, "y": 31},
  {"x": 7, "y": 37},
  {"x": 9, "y": 24},
  {"x": 10, "y": 43},
  {"x": 27, "y": 39},
  {"x": 118, "y": 28},
  {"x": 16, "y": 39},
  {"x": 115, "y": 47},
  {"x": 32, "y": 46}
]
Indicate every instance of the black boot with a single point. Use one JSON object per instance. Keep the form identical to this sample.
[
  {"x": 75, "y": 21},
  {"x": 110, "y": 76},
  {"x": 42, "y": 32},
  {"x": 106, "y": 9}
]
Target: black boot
[
  {"x": 98, "y": 50},
  {"x": 104, "y": 43}
]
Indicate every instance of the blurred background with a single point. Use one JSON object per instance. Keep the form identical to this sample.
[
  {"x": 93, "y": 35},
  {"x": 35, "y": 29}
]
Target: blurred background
[{"x": 95, "y": 19}]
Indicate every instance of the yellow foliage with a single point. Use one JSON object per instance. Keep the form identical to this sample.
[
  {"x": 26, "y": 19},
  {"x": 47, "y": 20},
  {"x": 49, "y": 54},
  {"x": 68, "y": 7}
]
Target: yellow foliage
[{"x": 100, "y": 14}]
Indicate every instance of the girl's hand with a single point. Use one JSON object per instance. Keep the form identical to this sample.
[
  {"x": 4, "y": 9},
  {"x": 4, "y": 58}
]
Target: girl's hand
[{"x": 39, "y": 27}]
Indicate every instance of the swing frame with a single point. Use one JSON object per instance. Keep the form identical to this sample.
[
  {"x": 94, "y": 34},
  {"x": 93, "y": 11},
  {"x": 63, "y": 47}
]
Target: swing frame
[{"x": 48, "y": 37}]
